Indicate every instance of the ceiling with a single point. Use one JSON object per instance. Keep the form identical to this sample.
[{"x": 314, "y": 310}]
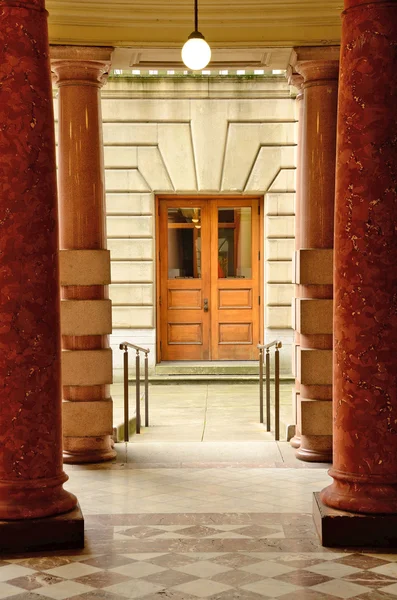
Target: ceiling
[{"x": 167, "y": 23}]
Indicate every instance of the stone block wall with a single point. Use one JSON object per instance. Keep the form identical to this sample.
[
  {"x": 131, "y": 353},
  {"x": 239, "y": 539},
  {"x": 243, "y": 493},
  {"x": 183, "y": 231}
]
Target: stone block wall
[{"x": 180, "y": 135}]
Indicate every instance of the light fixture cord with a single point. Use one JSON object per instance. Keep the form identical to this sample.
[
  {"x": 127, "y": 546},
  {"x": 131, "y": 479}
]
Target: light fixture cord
[{"x": 195, "y": 15}]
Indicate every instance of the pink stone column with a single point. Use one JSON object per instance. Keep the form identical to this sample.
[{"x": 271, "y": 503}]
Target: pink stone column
[
  {"x": 297, "y": 81},
  {"x": 31, "y": 474},
  {"x": 85, "y": 262},
  {"x": 314, "y": 305},
  {"x": 365, "y": 318}
]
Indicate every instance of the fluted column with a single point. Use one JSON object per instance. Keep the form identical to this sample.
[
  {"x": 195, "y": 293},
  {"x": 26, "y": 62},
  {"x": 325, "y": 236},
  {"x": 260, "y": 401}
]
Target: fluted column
[
  {"x": 297, "y": 81},
  {"x": 31, "y": 474},
  {"x": 365, "y": 329},
  {"x": 85, "y": 263},
  {"x": 314, "y": 259}
]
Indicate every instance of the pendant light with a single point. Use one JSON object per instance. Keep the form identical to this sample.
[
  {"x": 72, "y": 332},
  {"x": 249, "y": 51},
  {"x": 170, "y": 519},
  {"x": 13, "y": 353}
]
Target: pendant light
[{"x": 196, "y": 53}]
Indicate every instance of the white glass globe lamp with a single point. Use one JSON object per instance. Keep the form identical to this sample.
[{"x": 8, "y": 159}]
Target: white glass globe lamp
[{"x": 196, "y": 53}]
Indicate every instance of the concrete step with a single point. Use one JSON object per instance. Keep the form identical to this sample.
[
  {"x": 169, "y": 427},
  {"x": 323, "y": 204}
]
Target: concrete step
[
  {"x": 208, "y": 368},
  {"x": 199, "y": 379}
]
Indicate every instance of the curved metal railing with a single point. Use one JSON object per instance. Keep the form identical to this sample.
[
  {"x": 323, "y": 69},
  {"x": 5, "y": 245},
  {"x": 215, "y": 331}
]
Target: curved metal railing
[
  {"x": 277, "y": 344},
  {"x": 124, "y": 346}
]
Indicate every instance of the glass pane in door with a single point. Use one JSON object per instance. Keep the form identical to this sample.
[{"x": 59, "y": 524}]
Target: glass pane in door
[
  {"x": 234, "y": 243},
  {"x": 184, "y": 243}
]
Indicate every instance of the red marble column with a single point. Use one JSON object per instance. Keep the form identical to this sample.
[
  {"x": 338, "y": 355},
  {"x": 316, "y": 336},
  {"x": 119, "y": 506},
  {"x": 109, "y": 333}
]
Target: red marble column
[
  {"x": 365, "y": 317},
  {"x": 314, "y": 320},
  {"x": 31, "y": 474},
  {"x": 297, "y": 81},
  {"x": 86, "y": 323}
]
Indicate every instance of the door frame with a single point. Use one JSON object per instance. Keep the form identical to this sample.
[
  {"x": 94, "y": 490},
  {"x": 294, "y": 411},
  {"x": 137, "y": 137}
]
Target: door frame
[{"x": 235, "y": 198}]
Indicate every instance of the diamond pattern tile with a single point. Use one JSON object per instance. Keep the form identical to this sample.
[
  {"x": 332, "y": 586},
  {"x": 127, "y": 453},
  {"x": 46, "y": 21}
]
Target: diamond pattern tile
[
  {"x": 203, "y": 568},
  {"x": 202, "y": 588},
  {"x": 237, "y": 534}
]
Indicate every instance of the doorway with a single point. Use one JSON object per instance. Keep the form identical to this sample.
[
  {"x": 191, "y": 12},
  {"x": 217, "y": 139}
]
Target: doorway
[{"x": 208, "y": 278}]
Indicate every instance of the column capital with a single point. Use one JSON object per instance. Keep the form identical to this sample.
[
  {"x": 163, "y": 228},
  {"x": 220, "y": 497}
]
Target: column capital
[
  {"x": 318, "y": 70},
  {"x": 296, "y": 80},
  {"x": 81, "y": 65}
]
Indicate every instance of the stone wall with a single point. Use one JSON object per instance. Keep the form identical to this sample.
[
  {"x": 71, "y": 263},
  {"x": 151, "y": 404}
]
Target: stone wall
[{"x": 177, "y": 135}]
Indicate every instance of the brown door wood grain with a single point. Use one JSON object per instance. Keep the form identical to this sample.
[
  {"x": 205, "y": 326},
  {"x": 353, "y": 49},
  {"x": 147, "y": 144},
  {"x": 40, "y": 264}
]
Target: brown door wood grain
[
  {"x": 234, "y": 279},
  {"x": 208, "y": 278}
]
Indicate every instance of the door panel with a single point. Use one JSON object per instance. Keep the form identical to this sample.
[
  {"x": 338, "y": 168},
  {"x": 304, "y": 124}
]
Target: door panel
[
  {"x": 234, "y": 298},
  {"x": 209, "y": 278},
  {"x": 180, "y": 298},
  {"x": 234, "y": 279},
  {"x": 184, "y": 286},
  {"x": 185, "y": 333},
  {"x": 235, "y": 333}
]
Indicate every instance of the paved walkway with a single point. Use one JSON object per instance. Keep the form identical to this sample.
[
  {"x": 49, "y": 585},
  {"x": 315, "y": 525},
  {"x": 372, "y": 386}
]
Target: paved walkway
[{"x": 205, "y": 412}]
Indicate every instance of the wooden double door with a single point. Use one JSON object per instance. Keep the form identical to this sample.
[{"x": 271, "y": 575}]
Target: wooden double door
[{"x": 208, "y": 278}]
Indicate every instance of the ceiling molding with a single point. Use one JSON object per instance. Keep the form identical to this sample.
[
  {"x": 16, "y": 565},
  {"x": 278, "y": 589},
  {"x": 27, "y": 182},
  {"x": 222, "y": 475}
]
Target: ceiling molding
[
  {"x": 233, "y": 58},
  {"x": 167, "y": 22}
]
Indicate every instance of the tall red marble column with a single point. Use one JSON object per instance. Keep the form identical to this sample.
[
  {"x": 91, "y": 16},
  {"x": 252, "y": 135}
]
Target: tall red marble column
[
  {"x": 31, "y": 474},
  {"x": 314, "y": 276},
  {"x": 365, "y": 317},
  {"x": 296, "y": 80},
  {"x": 85, "y": 262}
]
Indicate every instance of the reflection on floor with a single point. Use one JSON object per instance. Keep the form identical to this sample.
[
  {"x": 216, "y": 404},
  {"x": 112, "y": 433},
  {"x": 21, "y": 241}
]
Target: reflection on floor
[{"x": 188, "y": 521}]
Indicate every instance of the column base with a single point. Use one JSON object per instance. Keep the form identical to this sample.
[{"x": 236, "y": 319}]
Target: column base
[
  {"x": 85, "y": 450},
  {"x": 295, "y": 441},
  {"x": 341, "y": 529},
  {"x": 64, "y": 531},
  {"x": 315, "y": 448}
]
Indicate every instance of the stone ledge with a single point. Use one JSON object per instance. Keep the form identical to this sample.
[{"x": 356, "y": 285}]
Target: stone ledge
[
  {"x": 341, "y": 529},
  {"x": 64, "y": 531}
]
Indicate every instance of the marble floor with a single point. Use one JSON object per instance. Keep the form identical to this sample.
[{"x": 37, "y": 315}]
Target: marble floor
[{"x": 223, "y": 521}]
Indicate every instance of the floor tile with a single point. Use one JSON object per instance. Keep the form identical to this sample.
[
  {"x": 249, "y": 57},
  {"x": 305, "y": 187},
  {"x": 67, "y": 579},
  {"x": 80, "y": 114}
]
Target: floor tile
[
  {"x": 72, "y": 570},
  {"x": 107, "y": 561},
  {"x": 388, "y": 569},
  {"x": 138, "y": 569},
  {"x": 303, "y": 578},
  {"x": 8, "y": 591},
  {"x": 341, "y": 588},
  {"x": 370, "y": 579},
  {"x": 63, "y": 590},
  {"x": 172, "y": 561},
  {"x": 270, "y": 588},
  {"x": 203, "y": 569},
  {"x": 102, "y": 579},
  {"x": 135, "y": 588},
  {"x": 97, "y": 595},
  {"x": 237, "y": 578},
  {"x": 268, "y": 569},
  {"x": 332, "y": 569},
  {"x": 390, "y": 589},
  {"x": 202, "y": 588},
  {"x": 170, "y": 578},
  {"x": 10, "y": 571},
  {"x": 308, "y": 594},
  {"x": 376, "y": 595},
  {"x": 235, "y": 560},
  {"x": 35, "y": 580},
  {"x": 361, "y": 561}
]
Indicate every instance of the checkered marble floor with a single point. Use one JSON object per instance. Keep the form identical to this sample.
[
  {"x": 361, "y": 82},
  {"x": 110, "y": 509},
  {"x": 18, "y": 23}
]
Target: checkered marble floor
[{"x": 222, "y": 533}]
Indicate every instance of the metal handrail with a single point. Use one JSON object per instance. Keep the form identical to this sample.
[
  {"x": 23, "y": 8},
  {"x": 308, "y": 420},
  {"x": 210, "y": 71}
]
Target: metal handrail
[
  {"x": 124, "y": 346},
  {"x": 261, "y": 347}
]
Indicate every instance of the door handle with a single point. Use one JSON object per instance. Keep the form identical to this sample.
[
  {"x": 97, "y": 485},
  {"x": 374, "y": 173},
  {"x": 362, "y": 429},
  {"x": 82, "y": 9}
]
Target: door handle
[{"x": 205, "y": 304}]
